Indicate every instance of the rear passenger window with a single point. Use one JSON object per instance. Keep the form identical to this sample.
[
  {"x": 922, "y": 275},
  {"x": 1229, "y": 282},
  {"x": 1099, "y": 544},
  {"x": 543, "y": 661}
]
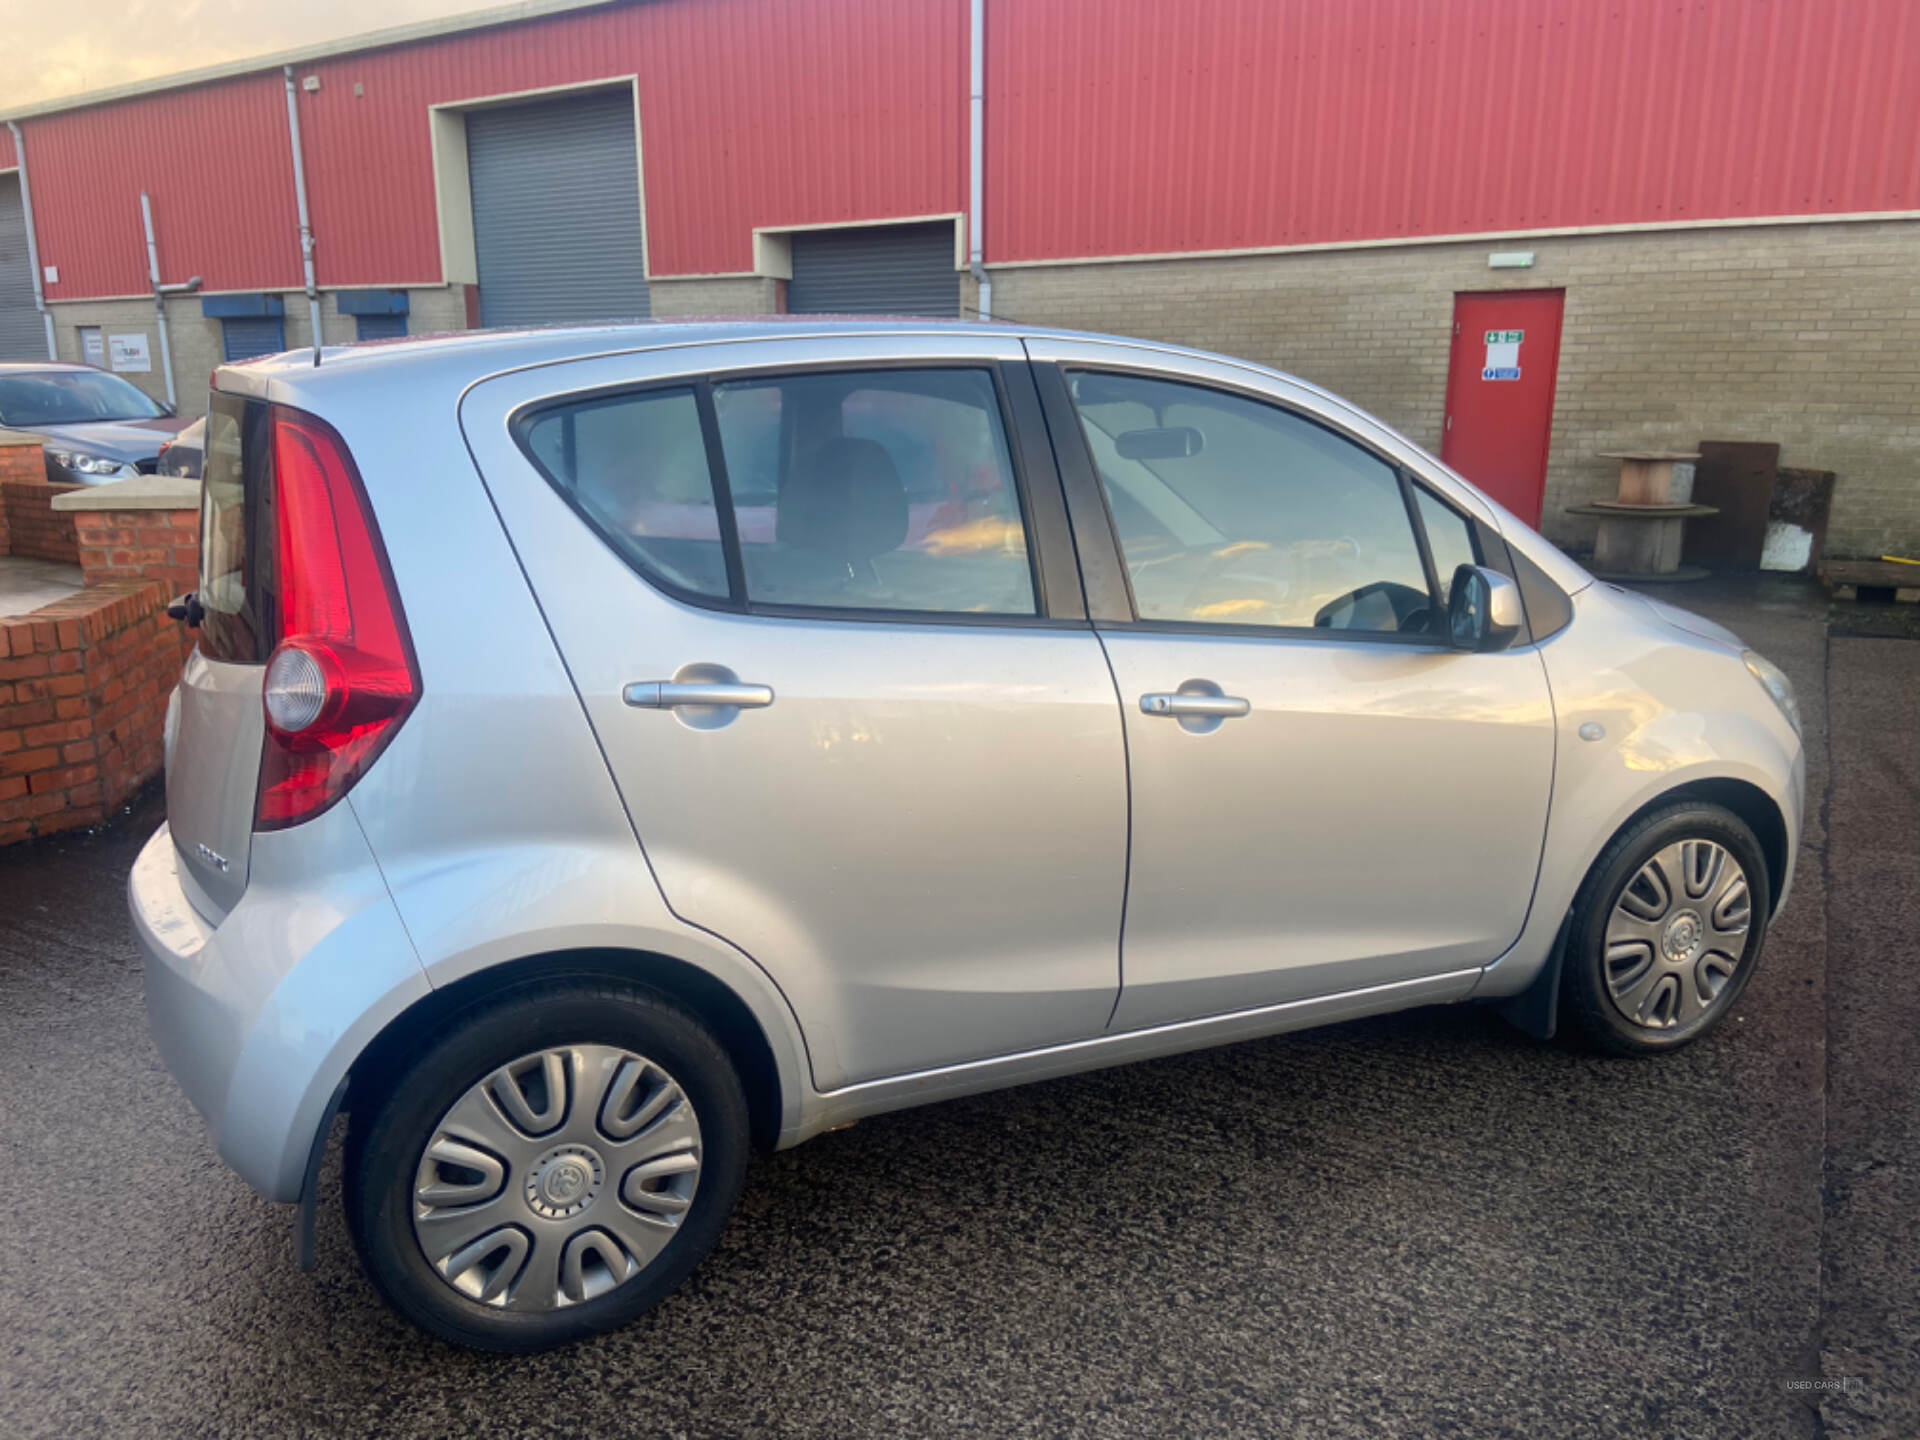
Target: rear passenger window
[
  {"x": 636, "y": 466},
  {"x": 887, "y": 490}
]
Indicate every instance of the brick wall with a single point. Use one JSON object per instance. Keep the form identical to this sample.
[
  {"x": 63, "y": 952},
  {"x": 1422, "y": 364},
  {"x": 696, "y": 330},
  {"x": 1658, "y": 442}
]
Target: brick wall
[
  {"x": 1804, "y": 334},
  {"x": 196, "y": 341},
  {"x": 159, "y": 545},
  {"x": 20, "y": 460},
  {"x": 34, "y": 528},
  {"x": 716, "y": 295},
  {"x": 83, "y": 696}
]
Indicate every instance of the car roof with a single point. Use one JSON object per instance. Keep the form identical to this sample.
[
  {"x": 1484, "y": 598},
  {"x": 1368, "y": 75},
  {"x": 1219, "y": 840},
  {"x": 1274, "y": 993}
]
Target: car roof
[
  {"x": 40, "y": 367},
  {"x": 537, "y": 344},
  {"x": 474, "y": 354}
]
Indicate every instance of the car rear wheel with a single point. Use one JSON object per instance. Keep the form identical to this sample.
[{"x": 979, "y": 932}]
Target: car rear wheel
[
  {"x": 1667, "y": 930},
  {"x": 551, "y": 1168}
]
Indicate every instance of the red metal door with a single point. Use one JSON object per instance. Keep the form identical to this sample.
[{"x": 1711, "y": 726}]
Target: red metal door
[{"x": 1506, "y": 350}]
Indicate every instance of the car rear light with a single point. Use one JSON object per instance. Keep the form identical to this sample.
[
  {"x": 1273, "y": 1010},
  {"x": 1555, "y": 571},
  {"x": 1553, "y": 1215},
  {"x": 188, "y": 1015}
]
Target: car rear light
[{"x": 342, "y": 677}]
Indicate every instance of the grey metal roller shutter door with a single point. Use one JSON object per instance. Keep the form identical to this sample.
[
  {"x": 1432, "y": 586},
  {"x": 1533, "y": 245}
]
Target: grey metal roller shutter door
[
  {"x": 556, "y": 211},
  {"x": 877, "y": 270},
  {"x": 23, "y": 335}
]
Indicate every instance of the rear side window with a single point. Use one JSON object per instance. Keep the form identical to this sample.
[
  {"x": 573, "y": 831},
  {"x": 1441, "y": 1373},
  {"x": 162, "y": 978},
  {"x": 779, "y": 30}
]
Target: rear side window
[
  {"x": 233, "y": 495},
  {"x": 636, "y": 466},
  {"x": 890, "y": 491}
]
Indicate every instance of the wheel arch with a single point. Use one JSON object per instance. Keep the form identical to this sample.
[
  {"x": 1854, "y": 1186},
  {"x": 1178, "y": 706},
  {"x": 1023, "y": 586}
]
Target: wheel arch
[
  {"x": 1746, "y": 800},
  {"x": 708, "y": 998}
]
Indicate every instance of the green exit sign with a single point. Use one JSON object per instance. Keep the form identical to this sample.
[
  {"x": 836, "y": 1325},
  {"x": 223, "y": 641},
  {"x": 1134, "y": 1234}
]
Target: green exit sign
[{"x": 1505, "y": 337}]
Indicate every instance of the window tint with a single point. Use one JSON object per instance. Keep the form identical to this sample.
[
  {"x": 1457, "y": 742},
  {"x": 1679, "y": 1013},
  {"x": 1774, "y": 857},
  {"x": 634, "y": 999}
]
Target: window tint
[
  {"x": 1449, "y": 537},
  {"x": 1231, "y": 511},
  {"x": 888, "y": 490},
  {"x": 234, "y": 484},
  {"x": 637, "y": 466}
]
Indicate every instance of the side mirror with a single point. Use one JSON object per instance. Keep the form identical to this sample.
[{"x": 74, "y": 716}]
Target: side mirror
[{"x": 1484, "y": 611}]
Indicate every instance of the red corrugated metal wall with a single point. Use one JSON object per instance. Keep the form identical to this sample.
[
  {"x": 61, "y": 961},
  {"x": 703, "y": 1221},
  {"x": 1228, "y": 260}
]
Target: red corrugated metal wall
[
  {"x": 7, "y": 157},
  {"x": 751, "y": 113},
  {"x": 1137, "y": 127},
  {"x": 214, "y": 159},
  {"x": 1114, "y": 127}
]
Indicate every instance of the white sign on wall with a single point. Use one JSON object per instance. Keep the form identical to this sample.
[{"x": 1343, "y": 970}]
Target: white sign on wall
[
  {"x": 1503, "y": 355},
  {"x": 129, "y": 352},
  {"x": 93, "y": 346}
]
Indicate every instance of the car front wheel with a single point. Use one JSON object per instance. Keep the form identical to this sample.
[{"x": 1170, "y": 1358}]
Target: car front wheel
[
  {"x": 550, "y": 1168},
  {"x": 1666, "y": 931}
]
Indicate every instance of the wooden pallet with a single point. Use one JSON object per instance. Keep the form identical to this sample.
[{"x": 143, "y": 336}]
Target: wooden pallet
[{"x": 1847, "y": 578}]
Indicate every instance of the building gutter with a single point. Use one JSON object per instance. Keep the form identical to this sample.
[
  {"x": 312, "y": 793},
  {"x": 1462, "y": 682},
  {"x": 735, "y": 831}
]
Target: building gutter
[
  {"x": 977, "y": 160},
  {"x": 306, "y": 227},
  {"x": 160, "y": 293},
  {"x": 33, "y": 246}
]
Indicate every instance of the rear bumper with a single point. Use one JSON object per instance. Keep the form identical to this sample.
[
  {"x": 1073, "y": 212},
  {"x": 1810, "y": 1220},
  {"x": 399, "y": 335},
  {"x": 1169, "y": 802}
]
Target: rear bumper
[{"x": 260, "y": 1016}]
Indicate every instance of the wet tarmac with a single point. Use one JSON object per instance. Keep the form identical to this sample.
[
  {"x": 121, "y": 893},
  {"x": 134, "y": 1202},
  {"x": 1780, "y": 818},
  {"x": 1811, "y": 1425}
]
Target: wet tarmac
[{"x": 1420, "y": 1225}]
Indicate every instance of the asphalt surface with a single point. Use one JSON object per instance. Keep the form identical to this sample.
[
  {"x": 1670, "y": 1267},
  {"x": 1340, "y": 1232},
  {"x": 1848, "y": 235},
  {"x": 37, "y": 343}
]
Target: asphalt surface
[{"x": 1418, "y": 1225}]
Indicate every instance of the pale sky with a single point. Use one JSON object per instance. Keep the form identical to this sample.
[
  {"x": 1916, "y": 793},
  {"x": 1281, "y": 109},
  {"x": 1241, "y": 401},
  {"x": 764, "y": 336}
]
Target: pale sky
[{"x": 64, "y": 47}]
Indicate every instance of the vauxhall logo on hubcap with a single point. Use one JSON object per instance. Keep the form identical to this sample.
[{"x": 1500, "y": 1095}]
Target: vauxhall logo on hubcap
[{"x": 564, "y": 1181}]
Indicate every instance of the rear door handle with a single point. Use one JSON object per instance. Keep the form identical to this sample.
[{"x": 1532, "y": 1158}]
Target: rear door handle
[
  {"x": 1204, "y": 707},
  {"x": 672, "y": 694}
]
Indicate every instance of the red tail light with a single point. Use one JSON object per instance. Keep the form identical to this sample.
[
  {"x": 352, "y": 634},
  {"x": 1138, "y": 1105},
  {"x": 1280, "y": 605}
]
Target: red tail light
[{"x": 342, "y": 676}]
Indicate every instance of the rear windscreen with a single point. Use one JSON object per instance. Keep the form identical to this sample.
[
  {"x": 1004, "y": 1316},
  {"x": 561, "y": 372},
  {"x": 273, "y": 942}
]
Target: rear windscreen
[{"x": 232, "y": 494}]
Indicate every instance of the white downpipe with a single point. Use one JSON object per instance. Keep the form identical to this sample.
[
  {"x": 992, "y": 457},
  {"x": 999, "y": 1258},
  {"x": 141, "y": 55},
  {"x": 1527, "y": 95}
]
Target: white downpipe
[
  {"x": 159, "y": 299},
  {"x": 33, "y": 246},
  {"x": 977, "y": 160},
  {"x": 306, "y": 227}
]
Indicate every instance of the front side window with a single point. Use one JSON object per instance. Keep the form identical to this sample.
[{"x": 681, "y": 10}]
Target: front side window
[
  {"x": 1449, "y": 537},
  {"x": 1230, "y": 511},
  {"x": 881, "y": 490},
  {"x": 636, "y": 466}
]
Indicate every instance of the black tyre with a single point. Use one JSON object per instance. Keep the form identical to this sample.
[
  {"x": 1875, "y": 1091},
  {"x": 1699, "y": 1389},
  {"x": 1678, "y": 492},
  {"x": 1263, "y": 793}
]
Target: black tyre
[
  {"x": 1667, "y": 931},
  {"x": 550, "y": 1168}
]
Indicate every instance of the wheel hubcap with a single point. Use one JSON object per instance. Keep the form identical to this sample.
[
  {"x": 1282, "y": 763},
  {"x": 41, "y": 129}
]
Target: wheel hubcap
[
  {"x": 1677, "y": 934},
  {"x": 557, "y": 1178}
]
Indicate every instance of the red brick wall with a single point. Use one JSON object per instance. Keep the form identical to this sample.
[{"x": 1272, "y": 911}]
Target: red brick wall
[
  {"x": 19, "y": 460},
  {"x": 139, "y": 545},
  {"x": 83, "y": 699},
  {"x": 34, "y": 527}
]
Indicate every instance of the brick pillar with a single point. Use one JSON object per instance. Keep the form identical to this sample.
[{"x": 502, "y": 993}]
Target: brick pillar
[
  {"x": 146, "y": 528},
  {"x": 20, "y": 460}
]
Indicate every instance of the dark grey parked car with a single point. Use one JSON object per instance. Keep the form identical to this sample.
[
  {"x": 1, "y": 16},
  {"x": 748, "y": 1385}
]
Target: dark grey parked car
[{"x": 98, "y": 427}]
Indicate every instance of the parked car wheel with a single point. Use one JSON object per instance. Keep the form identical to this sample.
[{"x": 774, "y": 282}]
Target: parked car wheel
[
  {"x": 1667, "y": 930},
  {"x": 550, "y": 1169}
]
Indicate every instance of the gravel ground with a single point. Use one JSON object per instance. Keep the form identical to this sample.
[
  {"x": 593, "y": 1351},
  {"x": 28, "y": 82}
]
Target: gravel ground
[{"x": 1418, "y": 1225}]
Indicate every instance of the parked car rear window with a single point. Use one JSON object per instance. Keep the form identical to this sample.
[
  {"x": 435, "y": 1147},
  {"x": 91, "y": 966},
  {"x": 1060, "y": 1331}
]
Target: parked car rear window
[
  {"x": 636, "y": 466},
  {"x": 71, "y": 397},
  {"x": 880, "y": 490}
]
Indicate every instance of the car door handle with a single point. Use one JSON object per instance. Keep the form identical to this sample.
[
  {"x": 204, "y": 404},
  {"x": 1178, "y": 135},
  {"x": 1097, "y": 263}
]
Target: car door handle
[
  {"x": 1208, "y": 707},
  {"x": 672, "y": 694}
]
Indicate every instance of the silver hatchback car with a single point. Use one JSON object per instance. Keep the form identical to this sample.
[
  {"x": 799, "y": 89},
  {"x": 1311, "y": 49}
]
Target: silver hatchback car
[{"x": 610, "y": 749}]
